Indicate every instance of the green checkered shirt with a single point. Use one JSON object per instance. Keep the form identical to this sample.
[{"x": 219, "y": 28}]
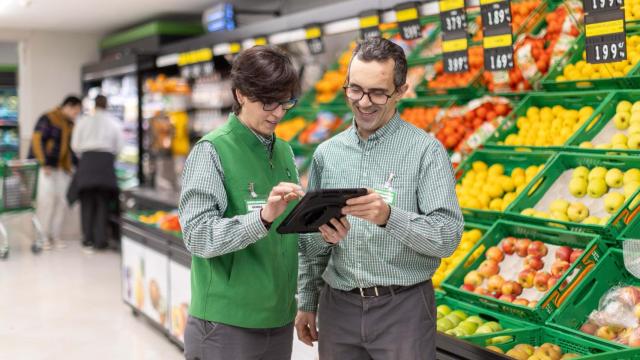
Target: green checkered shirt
[{"x": 425, "y": 224}]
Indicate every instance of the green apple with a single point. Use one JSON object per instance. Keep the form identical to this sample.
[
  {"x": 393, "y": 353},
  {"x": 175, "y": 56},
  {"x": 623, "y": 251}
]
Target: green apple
[
  {"x": 634, "y": 129},
  {"x": 580, "y": 172},
  {"x": 499, "y": 340},
  {"x": 622, "y": 120},
  {"x": 614, "y": 178},
  {"x": 635, "y": 107},
  {"x": 591, "y": 220},
  {"x": 586, "y": 145},
  {"x": 603, "y": 146},
  {"x": 597, "y": 173},
  {"x": 443, "y": 310},
  {"x": 613, "y": 201},
  {"x": 634, "y": 142},
  {"x": 578, "y": 187},
  {"x": 577, "y": 212},
  {"x": 451, "y": 332},
  {"x": 444, "y": 325},
  {"x": 631, "y": 175},
  {"x": 468, "y": 327},
  {"x": 455, "y": 319},
  {"x": 459, "y": 313},
  {"x": 605, "y": 220},
  {"x": 597, "y": 187},
  {"x": 630, "y": 189},
  {"x": 559, "y": 205},
  {"x": 484, "y": 329},
  {"x": 619, "y": 139},
  {"x": 559, "y": 216},
  {"x": 495, "y": 326},
  {"x": 529, "y": 212},
  {"x": 624, "y": 106},
  {"x": 476, "y": 319}
]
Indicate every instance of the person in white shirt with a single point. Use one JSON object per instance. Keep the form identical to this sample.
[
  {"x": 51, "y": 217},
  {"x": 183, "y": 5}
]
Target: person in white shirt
[{"x": 97, "y": 139}]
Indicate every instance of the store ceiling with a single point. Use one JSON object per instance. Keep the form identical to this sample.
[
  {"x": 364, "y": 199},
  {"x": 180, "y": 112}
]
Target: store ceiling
[{"x": 99, "y": 16}]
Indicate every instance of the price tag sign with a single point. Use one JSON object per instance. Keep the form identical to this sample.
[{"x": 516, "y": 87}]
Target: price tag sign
[
  {"x": 314, "y": 39},
  {"x": 455, "y": 53},
  {"x": 498, "y": 50},
  {"x": 260, "y": 41},
  {"x": 595, "y": 6},
  {"x": 235, "y": 48},
  {"x": 195, "y": 56},
  {"x": 370, "y": 24},
  {"x": 408, "y": 18},
  {"x": 606, "y": 39},
  {"x": 496, "y": 15}
]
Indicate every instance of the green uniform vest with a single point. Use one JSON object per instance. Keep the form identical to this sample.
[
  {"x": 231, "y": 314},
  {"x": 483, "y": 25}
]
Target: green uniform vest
[{"x": 253, "y": 287}]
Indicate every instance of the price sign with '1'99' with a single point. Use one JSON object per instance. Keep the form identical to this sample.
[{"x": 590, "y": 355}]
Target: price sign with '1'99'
[{"x": 606, "y": 39}]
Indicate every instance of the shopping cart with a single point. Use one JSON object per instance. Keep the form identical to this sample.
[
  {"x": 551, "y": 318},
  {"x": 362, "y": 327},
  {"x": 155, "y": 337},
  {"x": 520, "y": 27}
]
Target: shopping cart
[{"x": 17, "y": 195}]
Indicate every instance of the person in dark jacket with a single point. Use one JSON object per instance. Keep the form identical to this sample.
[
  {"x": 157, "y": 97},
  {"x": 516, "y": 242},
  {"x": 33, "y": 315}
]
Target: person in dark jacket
[
  {"x": 51, "y": 148},
  {"x": 97, "y": 139}
]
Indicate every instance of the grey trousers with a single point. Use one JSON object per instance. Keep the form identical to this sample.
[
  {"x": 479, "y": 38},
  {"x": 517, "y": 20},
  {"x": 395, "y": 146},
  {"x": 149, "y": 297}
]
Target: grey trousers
[
  {"x": 398, "y": 326},
  {"x": 206, "y": 340}
]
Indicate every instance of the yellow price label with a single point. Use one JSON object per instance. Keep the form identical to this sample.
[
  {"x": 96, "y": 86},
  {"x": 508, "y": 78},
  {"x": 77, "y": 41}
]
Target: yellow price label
[
  {"x": 194, "y": 57},
  {"x": 489, "y": 2},
  {"x": 260, "y": 41},
  {"x": 369, "y": 21},
  {"x": 605, "y": 28},
  {"x": 448, "y": 5},
  {"x": 407, "y": 15},
  {"x": 235, "y": 48},
  {"x": 454, "y": 45},
  {"x": 497, "y": 41},
  {"x": 314, "y": 32}
]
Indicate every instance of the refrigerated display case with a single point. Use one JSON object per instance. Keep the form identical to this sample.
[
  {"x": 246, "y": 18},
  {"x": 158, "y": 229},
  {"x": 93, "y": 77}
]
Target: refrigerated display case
[{"x": 9, "y": 136}]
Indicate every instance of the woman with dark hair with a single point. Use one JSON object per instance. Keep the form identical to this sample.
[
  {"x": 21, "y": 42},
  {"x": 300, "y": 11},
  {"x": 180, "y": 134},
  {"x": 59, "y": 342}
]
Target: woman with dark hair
[{"x": 237, "y": 183}]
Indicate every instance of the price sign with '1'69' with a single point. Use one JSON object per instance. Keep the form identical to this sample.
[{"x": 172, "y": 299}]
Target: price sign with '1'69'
[{"x": 605, "y": 37}]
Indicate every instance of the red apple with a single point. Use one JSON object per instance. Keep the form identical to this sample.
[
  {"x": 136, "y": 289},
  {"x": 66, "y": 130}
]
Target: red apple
[
  {"x": 553, "y": 280},
  {"x": 488, "y": 268},
  {"x": 559, "y": 267},
  {"x": 473, "y": 278},
  {"x": 468, "y": 287},
  {"x": 606, "y": 332},
  {"x": 589, "y": 328},
  {"x": 481, "y": 291},
  {"x": 507, "y": 298},
  {"x": 508, "y": 245},
  {"x": 630, "y": 295},
  {"x": 525, "y": 278},
  {"x": 494, "y": 253},
  {"x": 575, "y": 255},
  {"x": 511, "y": 288},
  {"x": 564, "y": 253},
  {"x": 496, "y": 295},
  {"x": 522, "y": 246},
  {"x": 533, "y": 304},
  {"x": 541, "y": 281},
  {"x": 521, "y": 302},
  {"x": 636, "y": 311},
  {"x": 537, "y": 248},
  {"x": 495, "y": 283},
  {"x": 533, "y": 263}
]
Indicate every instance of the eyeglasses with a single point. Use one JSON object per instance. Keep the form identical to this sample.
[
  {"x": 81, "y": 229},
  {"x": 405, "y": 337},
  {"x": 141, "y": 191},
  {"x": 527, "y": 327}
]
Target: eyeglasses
[
  {"x": 376, "y": 97},
  {"x": 286, "y": 105}
]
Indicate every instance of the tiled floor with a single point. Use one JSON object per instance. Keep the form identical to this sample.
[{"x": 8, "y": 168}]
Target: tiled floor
[{"x": 64, "y": 304}]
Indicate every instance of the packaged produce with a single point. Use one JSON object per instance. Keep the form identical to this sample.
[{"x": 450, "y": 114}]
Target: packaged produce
[{"x": 617, "y": 317}]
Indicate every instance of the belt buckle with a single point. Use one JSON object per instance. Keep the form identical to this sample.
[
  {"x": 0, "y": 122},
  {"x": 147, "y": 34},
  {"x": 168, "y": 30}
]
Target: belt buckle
[{"x": 375, "y": 289}]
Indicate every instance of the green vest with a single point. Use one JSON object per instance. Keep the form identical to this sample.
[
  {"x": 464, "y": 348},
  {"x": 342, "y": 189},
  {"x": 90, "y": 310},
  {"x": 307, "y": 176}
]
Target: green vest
[{"x": 254, "y": 287}]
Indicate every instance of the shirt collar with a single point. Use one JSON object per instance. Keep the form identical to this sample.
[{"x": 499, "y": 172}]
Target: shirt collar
[
  {"x": 267, "y": 141},
  {"x": 388, "y": 129}
]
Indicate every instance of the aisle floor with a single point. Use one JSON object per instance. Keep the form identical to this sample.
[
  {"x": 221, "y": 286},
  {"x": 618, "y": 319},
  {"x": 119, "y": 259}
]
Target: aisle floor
[{"x": 65, "y": 304}]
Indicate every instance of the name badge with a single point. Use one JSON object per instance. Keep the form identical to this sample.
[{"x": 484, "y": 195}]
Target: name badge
[
  {"x": 255, "y": 205},
  {"x": 389, "y": 196}
]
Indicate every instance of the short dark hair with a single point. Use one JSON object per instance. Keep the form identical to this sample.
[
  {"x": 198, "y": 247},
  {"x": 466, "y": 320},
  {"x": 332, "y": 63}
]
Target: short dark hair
[
  {"x": 379, "y": 49},
  {"x": 265, "y": 74},
  {"x": 71, "y": 100},
  {"x": 101, "y": 102}
]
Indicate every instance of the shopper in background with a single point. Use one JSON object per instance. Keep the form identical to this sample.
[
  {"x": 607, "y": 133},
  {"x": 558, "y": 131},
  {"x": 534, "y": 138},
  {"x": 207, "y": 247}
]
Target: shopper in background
[
  {"x": 51, "y": 147},
  {"x": 97, "y": 139},
  {"x": 378, "y": 300},
  {"x": 237, "y": 183}
]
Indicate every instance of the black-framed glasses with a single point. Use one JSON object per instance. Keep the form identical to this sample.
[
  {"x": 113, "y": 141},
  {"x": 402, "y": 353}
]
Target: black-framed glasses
[
  {"x": 376, "y": 97},
  {"x": 286, "y": 105}
]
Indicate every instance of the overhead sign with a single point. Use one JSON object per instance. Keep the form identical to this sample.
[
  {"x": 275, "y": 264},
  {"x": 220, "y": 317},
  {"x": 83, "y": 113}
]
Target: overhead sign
[
  {"x": 606, "y": 38},
  {"x": 313, "y": 35},
  {"x": 370, "y": 24}
]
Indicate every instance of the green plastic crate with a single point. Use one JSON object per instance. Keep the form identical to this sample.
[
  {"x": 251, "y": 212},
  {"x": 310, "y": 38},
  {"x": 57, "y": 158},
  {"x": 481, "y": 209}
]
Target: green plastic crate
[
  {"x": 633, "y": 227},
  {"x": 573, "y": 55},
  {"x": 608, "y": 273},
  {"x": 568, "y": 343},
  {"x": 552, "y": 300},
  {"x": 510, "y": 160},
  {"x": 544, "y": 180},
  {"x": 604, "y": 117},
  {"x": 569, "y": 100},
  {"x": 508, "y": 323}
]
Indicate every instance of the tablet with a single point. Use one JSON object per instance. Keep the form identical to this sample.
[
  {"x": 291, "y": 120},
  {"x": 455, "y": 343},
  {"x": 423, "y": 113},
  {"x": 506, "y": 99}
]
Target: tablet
[{"x": 317, "y": 208}]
